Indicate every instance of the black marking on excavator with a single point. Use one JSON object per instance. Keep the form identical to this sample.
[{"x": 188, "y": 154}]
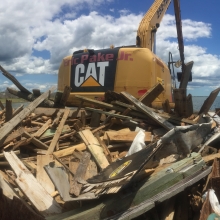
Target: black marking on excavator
[{"x": 98, "y": 67}]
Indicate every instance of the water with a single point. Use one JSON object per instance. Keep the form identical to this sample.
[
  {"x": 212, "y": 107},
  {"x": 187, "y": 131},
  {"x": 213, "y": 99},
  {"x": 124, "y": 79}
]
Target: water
[
  {"x": 199, "y": 100},
  {"x": 18, "y": 104}
]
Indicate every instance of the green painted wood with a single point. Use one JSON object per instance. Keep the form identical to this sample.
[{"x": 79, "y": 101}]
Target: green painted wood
[{"x": 50, "y": 132}]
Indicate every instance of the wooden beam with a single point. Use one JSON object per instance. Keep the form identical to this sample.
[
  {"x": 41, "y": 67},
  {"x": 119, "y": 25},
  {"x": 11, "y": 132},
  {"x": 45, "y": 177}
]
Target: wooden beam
[
  {"x": 42, "y": 129},
  {"x": 35, "y": 141},
  {"x": 209, "y": 101},
  {"x": 58, "y": 132},
  {"x": 76, "y": 184},
  {"x": 42, "y": 176},
  {"x": 114, "y": 136},
  {"x": 151, "y": 94},
  {"x": 94, "y": 148}
]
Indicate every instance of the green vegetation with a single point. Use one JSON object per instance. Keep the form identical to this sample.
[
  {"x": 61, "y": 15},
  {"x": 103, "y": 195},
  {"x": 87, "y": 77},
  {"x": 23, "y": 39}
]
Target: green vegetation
[{"x": 14, "y": 100}]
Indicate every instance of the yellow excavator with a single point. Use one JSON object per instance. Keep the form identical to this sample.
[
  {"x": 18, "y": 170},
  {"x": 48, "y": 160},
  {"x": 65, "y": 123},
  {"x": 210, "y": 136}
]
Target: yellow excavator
[{"x": 134, "y": 69}]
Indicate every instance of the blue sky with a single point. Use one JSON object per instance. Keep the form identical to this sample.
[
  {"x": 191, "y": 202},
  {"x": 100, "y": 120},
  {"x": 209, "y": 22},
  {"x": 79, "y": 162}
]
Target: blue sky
[{"x": 35, "y": 36}]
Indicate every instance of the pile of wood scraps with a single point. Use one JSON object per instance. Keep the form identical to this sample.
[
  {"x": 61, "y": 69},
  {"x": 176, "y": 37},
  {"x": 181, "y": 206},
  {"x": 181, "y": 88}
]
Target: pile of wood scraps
[{"x": 60, "y": 162}]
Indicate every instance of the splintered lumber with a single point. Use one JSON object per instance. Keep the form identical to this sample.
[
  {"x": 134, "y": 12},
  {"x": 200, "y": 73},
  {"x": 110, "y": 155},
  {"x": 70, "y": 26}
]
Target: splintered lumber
[
  {"x": 68, "y": 151},
  {"x": 94, "y": 148},
  {"x": 35, "y": 141},
  {"x": 151, "y": 94},
  {"x": 42, "y": 129},
  {"x": 9, "y": 126},
  {"x": 114, "y": 136},
  {"x": 76, "y": 183},
  {"x": 57, "y": 119},
  {"x": 42, "y": 176},
  {"x": 145, "y": 109},
  {"x": 58, "y": 132},
  {"x": 34, "y": 191}
]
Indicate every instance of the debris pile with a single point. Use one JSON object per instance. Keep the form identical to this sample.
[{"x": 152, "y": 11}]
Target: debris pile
[{"x": 118, "y": 159}]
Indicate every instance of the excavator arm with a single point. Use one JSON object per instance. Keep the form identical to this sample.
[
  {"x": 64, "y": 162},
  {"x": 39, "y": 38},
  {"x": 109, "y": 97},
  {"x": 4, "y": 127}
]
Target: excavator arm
[{"x": 150, "y": 23}]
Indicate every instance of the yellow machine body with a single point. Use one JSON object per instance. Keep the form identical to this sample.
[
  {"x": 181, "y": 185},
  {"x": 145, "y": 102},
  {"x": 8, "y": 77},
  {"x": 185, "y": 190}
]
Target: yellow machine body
[{"x": 134, "y": 69}]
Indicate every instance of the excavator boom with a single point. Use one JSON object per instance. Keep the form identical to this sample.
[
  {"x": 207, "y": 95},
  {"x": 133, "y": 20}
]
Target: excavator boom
[{"x": 150, "y": 23}]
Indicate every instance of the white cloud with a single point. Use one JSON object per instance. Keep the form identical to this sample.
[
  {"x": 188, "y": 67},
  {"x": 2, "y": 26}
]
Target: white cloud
[{"x": 57, "y": 27}]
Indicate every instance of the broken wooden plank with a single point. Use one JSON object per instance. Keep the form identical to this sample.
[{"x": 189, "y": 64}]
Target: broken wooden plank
[
  {"x": 114, "y": 136},
  {"x": 42, "y": 176},
  {"x": 56, "y": 120},
  {"x": 148, "y": 97},
  {"x": 145, "y": 109},
  {"x": 94, "y": 148},
  {"x": 37, "y": 195},
  {"x": 58, "y": 132},
  {"x": 76, "y": 184},
  {"x": 68, "y": 151},
  {"x": 9, "y": 126},
  {"x": 35, "y": 141},
  {"x": 42, "y": 129}
]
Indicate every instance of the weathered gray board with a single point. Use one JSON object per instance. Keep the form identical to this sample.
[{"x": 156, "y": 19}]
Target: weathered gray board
[{"x": 59, "y": 177}]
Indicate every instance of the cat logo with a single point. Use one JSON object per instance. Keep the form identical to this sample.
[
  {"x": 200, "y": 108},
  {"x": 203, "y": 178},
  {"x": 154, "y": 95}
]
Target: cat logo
[
  {"x": 94, "y": 75},
  {"x": 94, "y": 71}
]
